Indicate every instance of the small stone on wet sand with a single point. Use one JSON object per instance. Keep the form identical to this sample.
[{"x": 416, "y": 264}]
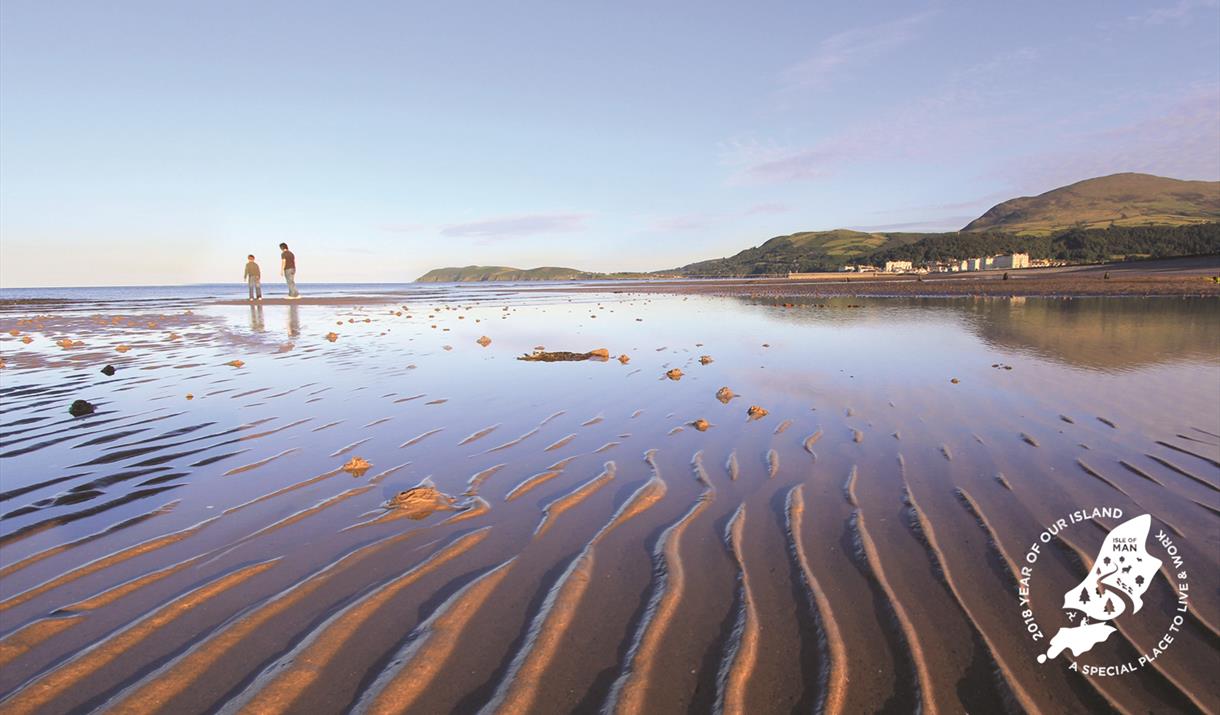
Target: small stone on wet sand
[
  {"x": 81, "y": 407},
  {"x": 356, "y": 466},
  {"x": 421, "y": 501}
]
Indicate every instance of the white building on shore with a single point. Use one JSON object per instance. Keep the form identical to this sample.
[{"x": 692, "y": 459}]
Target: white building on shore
[
  {"x": 898, "y": 266},
  {"x": 1012, "y": 261},
  {"x": 990, "y": 263}
]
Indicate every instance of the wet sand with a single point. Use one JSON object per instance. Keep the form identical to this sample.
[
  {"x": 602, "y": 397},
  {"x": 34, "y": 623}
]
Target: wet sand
[{"x": 562, "y": 536}]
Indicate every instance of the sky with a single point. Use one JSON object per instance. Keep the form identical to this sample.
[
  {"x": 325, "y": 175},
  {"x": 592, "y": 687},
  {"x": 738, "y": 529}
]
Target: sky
[{"x": 160, "y": 142}]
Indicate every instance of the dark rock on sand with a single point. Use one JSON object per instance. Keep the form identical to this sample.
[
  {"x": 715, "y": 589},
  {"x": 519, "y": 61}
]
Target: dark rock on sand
[
  {"x": 108, "y": 370},
  {"x": 81, "y": 407}
]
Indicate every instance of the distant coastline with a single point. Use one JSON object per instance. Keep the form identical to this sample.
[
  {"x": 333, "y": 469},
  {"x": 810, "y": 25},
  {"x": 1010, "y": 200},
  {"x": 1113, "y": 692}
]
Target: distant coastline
[{"x": 1110, "y": 218}]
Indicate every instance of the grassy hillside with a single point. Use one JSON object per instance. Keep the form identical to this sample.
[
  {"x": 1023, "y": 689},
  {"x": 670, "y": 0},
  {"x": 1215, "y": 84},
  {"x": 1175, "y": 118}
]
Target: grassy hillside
[
  {"x": 1117, "y": 200},
  {"x": 799, "y": 252},
  {"x": 1087, "y": 245},
  {"x": 502, "y": 273}
]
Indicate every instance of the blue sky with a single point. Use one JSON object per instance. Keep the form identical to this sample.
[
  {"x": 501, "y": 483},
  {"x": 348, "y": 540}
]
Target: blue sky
[{"x": 160, "y": 142}]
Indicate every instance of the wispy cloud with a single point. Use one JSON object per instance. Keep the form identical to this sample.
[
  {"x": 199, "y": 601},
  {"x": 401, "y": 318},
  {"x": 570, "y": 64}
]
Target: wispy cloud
[
  {"x": 1180, "y": 142},
  {"x": 943, "y": 223},
  {"x": 1178, "y": 13},
  {"x": 985, "y": 201},
  {"x": 959, "y": 117},
  {"x": 773, "y": 164},
  {"x": 521, "y": 226},
  {"x": 840, "y": 51}
]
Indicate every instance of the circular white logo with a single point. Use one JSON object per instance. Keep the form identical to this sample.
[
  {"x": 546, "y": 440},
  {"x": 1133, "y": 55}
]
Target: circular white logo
[{"x": 1113, "y": 588}]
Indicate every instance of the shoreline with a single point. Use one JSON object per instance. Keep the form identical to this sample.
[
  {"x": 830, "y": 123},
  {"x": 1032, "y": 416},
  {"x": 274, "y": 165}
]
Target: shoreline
[
  {"x": 1189, "y": 276},
  {"x": 1161, "y": 278}
]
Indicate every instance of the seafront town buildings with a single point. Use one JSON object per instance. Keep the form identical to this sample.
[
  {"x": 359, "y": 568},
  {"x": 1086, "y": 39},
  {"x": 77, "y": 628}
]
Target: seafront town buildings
[
  {"x": 1004, "y": 262},
  {"x": 1001, "y": 262}
]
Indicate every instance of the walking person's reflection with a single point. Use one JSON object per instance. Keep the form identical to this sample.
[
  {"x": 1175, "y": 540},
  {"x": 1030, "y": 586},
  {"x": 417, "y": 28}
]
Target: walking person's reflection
[{"x": 294, "y": 321}]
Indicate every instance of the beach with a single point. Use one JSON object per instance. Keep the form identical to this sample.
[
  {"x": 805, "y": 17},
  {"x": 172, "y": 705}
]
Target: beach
[{"x": 356, "y": 503}]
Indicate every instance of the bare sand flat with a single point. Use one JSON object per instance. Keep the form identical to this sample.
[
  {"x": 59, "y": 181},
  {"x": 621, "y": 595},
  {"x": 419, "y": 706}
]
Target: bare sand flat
[{"x": 347, "y": 505}]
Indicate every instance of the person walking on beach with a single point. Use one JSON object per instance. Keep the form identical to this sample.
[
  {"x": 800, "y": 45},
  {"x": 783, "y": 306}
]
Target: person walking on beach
[
  {"x": 288, "y": 269},
  {"x": 254, "y": 278}
]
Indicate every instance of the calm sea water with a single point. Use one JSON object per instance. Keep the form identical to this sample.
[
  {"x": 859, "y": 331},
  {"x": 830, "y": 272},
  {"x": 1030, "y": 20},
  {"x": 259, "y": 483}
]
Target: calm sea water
[
  {"x": 222, "y": 291},
  {"x": 18, "y": 300}
]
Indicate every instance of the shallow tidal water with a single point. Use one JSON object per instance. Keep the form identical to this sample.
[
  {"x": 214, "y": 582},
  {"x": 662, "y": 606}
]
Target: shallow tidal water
[{"x": 857, "y": 549}]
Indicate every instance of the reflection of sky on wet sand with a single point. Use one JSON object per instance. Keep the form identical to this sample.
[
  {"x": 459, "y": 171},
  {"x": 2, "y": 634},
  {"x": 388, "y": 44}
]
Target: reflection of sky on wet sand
[
  {"x": 260, "y": 446},
  {"x": 1091, "y": 333}
]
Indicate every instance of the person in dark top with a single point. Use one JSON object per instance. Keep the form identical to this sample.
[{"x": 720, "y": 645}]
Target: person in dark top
[
  {"x": 288, "y": 269},
  {"x": 253, "y": 278}
]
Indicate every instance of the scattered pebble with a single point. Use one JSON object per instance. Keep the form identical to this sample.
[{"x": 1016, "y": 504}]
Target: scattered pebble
[
  {"x": 705, "y": 359},
  {"x": 356, "y": 466},
  {"x": 724, "y": 394},
  {"x": 484, "y": 341},
  {"x": 421, "y": 501},
  {"x": 674, "y": 374},
  {"x": 700, "y": 424},
  {"x": 81, "y": 407},
  {"x": 755, "y": 412}
]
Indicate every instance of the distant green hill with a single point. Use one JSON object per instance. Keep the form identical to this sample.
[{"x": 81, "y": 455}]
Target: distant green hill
[
  {"x": 502, "y": 273},
  {"x": 799, "y": 252},
  {"x": 1117, "y": 200}
]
